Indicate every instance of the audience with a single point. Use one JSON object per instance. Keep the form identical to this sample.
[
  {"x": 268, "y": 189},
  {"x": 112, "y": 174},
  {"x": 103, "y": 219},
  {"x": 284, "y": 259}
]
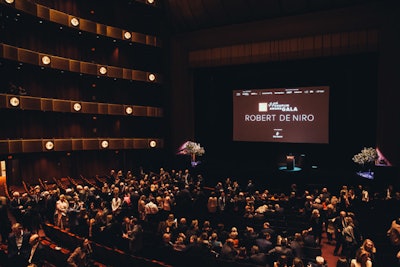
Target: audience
[{"x": 135, "y": 204}]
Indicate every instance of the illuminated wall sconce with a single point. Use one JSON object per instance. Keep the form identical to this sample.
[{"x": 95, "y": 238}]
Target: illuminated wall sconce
[
  {"x": 9, "y": 1},
  {"x": 103, "y": 70},
  {"x": 14, "y": 101},
  {"x": 74, "y": 22},
  {"x": 46, "y": 60},
  {"x": 49, "y": 145},
  {"x": 77, "y": 106},
  {"x": 150, "y": 2},
  {"x": 153, "y": 143},
  {"x": 152, "y": 77},
  {"x": 129, "y": 110},
  {"x": 104, "y": 144},
  {"x": 127, "y": 35}
]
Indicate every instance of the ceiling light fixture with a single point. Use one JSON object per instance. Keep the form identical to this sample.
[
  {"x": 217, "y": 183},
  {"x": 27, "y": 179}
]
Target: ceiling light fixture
[
  {"x": 103, "y": 70},
  {"x": 46, "y": 60},
  {"x": 152, "y": 77},
  {"x": 77, "y": 106},
  {"x": 153, "y": 143},
  {"x": 129, "y": 110},
  {"x": 49, "y": 145},
  {"x": 74, "y": 22},
  {"x": 14, "y": 101},
  {"x": 104, "y": 144},
  {"x": 127, "y": 35}
]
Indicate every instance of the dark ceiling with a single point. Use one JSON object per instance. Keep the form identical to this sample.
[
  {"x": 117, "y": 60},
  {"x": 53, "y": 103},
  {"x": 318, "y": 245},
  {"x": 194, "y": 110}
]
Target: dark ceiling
[{"x": 192, "y": 15}]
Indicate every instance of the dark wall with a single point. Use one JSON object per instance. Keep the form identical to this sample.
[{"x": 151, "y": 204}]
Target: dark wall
[{"x": 353, "y": 93}]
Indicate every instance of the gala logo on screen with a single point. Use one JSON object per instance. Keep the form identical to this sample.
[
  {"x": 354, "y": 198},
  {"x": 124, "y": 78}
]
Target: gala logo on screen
[{"x": 263, "y": 107}]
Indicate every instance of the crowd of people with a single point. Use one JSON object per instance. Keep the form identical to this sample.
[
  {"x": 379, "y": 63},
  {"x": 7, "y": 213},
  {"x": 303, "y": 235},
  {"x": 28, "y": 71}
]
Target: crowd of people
[{"x": 168, "y": 213}]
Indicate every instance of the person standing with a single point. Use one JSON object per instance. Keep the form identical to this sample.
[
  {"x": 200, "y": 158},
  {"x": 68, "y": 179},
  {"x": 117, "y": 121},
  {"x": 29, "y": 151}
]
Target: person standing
[
  {"x": 339, "y": 223},
  {"x": 18, "y": 246},
  {"x": 62, "y": 206},
  {"x": 82, "y": 255}
]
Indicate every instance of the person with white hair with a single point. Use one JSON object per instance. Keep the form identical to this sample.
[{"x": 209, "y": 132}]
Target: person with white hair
[
  {"x": 62, "y": 206},
  {"x": 319, "y": 262}
]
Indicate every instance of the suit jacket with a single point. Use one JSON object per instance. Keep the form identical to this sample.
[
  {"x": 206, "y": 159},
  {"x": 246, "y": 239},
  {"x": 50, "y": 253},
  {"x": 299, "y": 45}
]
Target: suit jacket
[{"x": 24, "y": 250}]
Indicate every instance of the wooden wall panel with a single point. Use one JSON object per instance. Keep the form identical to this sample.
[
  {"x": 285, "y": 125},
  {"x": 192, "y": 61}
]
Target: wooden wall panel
[
  {"x": 61, "y": 105},
  {"x": 116, "y": 144},
  {"x": 62, "y": 145},
  {"x": 26, "y": 6},
  {"x": 77, "y": 144},
  {"x": 10, "y": 52},
  {"x": 91, "y": 108},
  {"x": 31, "y": 103},
  {"x": 87, "y": 25},
  {"x": 140, "y": 143},
  {"x": 28, "y": 56},
  {"x": 101, "y": 29},
  {"x": 60, "y": 63},
  {"x": 139, "y": 111},
  {"x": 115, "y": 72},
  {"x": 102, "y": 108},
  {"x": 46, "y": 104},
  {"x": 74, "y": 65},
  {"x": 59, "y": 17},
  {"x": 90, "y": 144},
  {"x": 15, "y": 146},
  {"x": 114, "y": 109},
  {"x": 114, "y": 32},
  {"x": 42, "y": 11},
  {"x": 30, "y": 146},
  {"x": 88, "y": 68}
]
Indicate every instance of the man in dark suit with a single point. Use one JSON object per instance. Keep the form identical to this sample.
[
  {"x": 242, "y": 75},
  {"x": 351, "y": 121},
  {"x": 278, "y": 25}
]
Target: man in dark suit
[
  {"x": 339, "y": 223},
  {"x": 18, "y": 246}
]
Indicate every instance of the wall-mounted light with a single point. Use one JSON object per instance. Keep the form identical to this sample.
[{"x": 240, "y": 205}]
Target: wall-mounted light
[
  {"x": 153, "y": 143},
  {"x": 129, "y": 110},
  {"x": 77, "y": 106},
  {"x": 127, "y": 35},
  {"x": 49, "y": 145},
  {"x": 104, "y": 144},
  {"x": 46, "y": 60},
  {"x": 103, "y": 70},
  {"x": 150, "y": 2},
  {"x": 14, "y": 101},
  {"x": 152, "y": 77},
  {"x": 74, "y": 22},
  {"x": 9, "y": 1}
]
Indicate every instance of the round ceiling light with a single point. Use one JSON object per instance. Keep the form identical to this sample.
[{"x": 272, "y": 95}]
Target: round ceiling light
[
  {"x": 49, "y": 145},
  {"x": 129, "y": 110},
  {"x": 104, "y": 144},
  {"x": 103, "y": 70},
  {"x": 14, "y": 101},
  {"x": 77, "y": 106},
  {"x": 74, "y": 22},
  {"x": 46, "y": 60},
  {"x": 127, "y": 35},
  {"x": 153, "y": 143},
  {"x": 152, "y": 77}
]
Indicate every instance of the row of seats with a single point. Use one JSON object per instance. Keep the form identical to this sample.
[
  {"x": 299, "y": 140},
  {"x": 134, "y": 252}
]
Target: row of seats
[{"x": 103, "y": 255}]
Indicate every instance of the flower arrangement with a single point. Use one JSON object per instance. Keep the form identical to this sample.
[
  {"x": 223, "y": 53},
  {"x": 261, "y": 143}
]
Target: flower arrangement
[
  {"x": 367, "y": 155},
  {"x": 191, "y": 148}
]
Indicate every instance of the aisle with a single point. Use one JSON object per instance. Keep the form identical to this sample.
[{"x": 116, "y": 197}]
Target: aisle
[{"x": 327, "y": 251}]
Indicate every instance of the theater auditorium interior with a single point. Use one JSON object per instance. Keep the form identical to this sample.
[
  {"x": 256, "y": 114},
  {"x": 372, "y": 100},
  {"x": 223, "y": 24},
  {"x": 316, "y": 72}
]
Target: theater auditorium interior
[{"x": 227, "y": 113}]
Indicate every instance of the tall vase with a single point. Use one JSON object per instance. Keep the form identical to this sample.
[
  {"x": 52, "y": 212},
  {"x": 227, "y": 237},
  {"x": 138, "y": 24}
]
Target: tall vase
[{"x": 193, "y": 160}]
